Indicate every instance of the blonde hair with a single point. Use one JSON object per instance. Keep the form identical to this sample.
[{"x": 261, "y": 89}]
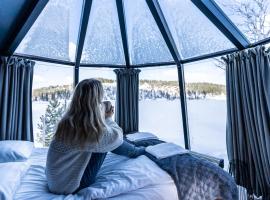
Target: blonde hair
[{"x": 84, "y": 120}]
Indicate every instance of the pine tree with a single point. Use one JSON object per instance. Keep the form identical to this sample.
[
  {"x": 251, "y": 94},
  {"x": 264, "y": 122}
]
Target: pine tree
[{"x": 48, "y": 121}]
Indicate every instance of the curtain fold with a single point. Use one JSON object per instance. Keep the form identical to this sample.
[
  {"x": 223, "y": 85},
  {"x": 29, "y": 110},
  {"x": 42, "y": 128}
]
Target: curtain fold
[
  {"x": 248, "y": 119},
  {"x": 16, "y": 77},
  {"x": 127, "y": 99}
]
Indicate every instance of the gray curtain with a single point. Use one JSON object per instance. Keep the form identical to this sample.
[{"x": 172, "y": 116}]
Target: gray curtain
[
  {"x": 127, "y": 99},
  {"x": 248, "y": 119},
  {"x": 16, "y": 77}
]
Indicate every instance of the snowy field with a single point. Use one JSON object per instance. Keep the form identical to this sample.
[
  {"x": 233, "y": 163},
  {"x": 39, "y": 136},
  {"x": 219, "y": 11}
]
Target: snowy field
[{"x": 207, "y": 122}]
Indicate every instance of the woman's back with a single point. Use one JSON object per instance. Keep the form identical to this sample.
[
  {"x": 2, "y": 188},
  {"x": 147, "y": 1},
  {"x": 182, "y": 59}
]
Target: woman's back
[{"x": 66, "y": 163}]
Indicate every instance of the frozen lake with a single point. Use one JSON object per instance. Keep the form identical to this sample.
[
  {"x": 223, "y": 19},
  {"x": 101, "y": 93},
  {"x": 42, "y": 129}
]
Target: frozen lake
[{"x": 207, "y": 122}]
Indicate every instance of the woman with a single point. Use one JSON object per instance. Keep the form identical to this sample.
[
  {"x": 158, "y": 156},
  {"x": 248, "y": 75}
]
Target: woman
[{"x": 83, "y": 137}]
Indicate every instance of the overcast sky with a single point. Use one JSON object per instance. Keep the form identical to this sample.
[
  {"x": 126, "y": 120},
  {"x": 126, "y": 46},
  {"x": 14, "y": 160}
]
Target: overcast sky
[{"x": 46, "y": 74}]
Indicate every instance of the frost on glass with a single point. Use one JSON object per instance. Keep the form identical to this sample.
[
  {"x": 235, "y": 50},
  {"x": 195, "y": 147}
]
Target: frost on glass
[
  {"x": 193, "y": 33},
  {"x": 52, "y": 90},
  {"x": 103, "y": 43},
  {"x": 206, "y": 106},
  {"x": 252, "y": 17},
  {"x": 54, "y": 34},
  {"x": 159, "y": 104},
  {"x": 146, "y": 44}
]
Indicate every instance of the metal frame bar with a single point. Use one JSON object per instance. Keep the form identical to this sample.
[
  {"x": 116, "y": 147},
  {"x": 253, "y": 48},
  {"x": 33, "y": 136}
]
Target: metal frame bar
[
  {"x": 122, "y": 23},
  {"x": 153, "y": 64},
  {"x": 82, "y": 33},
  {"x": 102, "y": 66},
  {"x": 261, "y": 42},
  {"x": 43, "y": 59},
  {"x": 24, "y": 24},
  {"x": 208, "y": 56},
  {"x": 215, "y": 14},
  {"x": 145, "y": 65},
  {"x": 182, "y": 92},
  {"x": 164, "y": 29}
]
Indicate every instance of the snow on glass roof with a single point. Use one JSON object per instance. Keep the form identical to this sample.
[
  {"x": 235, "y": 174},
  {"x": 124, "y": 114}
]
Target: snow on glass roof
[{"x": 56, "y": 31}]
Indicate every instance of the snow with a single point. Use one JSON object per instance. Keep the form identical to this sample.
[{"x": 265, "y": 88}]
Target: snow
[
  {"x": 38, "y": 109},
  {"x": 207, "y": 122}
]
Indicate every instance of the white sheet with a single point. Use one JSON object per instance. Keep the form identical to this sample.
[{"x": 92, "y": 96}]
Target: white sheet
[
  {"x": 119, "y": 178},
  {"x": 10, "y": 178}
]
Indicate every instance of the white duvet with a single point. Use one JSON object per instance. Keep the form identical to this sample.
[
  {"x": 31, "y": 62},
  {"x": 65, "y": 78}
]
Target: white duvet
[
  {"x": 119, "y": 178},
  {"x": 11, "y": 174}
]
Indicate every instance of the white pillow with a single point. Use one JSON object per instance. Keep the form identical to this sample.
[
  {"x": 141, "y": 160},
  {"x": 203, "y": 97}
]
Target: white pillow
[
  {"x": 15, "y": 150},
  {"x": 139, "y": 136},
  {"x": 11, "y": 174}
]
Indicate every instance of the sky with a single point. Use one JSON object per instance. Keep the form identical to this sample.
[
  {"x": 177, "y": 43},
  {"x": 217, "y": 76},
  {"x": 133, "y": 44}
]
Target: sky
[{"x": 46, "y": 74}]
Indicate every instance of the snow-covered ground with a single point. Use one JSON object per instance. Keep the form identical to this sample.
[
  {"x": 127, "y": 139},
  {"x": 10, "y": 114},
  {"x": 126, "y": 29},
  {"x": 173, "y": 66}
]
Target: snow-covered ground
[
  {"x": 206, "y": 118},
  {"x": 207, "y": 122}
]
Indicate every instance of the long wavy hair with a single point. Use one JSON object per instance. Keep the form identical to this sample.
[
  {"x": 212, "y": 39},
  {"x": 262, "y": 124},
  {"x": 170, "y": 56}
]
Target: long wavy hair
[{"x": 83, "y": 122}]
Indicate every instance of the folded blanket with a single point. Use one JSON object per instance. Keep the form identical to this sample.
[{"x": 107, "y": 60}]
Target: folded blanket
[
  {"x": 139, "y": 136},
  {"x": 165, "y": 150},
  {"x": 195, "y": 178}
]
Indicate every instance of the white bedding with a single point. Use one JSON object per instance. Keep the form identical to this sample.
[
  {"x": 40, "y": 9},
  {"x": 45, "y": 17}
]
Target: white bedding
[
  {"x": 119, "y": 178},
  {"x": 11, "y": 174}
]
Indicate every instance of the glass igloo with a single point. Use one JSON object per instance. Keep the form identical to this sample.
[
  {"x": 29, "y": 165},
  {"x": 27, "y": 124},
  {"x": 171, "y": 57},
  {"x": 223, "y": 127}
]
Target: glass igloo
[{"x": 177, "y": 44}]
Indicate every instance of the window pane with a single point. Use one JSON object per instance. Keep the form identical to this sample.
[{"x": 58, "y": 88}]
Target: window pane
[
  {"x": 146, "y": 44},
  {"x": 103, "y": 42},
  {"x": 52, "y": 88},
  {"x": 206, "y": 105},
  {"x": 252, "y": 17},
  {"x": 159, "y": 104},
  {"x": 54, "y": 34},
  {"x": 193, "y": 33},
  {"x": 106, "y": 76}
]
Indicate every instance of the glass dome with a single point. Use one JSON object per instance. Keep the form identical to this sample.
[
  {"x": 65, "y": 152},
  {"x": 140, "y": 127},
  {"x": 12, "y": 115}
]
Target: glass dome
[{"x": 143, "y": 32}]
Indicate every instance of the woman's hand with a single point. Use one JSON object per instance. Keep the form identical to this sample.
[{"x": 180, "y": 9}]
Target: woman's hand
[{"x": 110, "y": 112}]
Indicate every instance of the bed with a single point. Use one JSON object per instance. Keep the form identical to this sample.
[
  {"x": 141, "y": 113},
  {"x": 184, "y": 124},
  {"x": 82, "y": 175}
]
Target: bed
[{"x": 119, "y": 178}]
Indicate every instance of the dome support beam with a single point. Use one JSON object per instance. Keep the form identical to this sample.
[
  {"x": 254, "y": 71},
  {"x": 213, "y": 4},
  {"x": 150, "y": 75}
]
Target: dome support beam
[
  {"x": 23, "y": 24},
  {"x": 164, "y": 29},
  {"x": 182, "y": 92},
  {"x": 122, "y": 23},
  {"x": 82, "y": 33},
  {"x": 212, "y": 11}
]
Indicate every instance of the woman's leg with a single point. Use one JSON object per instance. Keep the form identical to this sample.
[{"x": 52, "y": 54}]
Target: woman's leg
[
  {"x": 92, "y": 169},
  {"x": 129, "y": 150},
  {"x": 96, "y": 160}
]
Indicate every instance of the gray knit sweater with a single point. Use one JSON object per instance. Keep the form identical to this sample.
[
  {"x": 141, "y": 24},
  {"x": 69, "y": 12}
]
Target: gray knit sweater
[{"x": 66, "y": 164}]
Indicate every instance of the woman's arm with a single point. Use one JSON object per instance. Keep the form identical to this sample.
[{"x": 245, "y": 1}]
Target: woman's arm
[
  {"x": 129, "y": 150},
  {"x": 111, "y": 139}
]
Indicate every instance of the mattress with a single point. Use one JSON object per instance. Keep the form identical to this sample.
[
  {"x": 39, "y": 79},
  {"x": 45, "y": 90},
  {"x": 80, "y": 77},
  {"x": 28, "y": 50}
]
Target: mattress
[{"x": 120, "y": 178}]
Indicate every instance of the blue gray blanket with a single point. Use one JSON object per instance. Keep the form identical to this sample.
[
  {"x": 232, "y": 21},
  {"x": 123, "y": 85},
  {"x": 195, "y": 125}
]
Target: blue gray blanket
[{"x": 195, "y": 178}]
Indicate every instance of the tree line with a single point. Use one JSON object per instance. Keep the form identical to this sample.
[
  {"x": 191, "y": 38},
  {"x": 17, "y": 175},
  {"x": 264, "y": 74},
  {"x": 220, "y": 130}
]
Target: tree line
[{"x": 151, "y": 89}]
